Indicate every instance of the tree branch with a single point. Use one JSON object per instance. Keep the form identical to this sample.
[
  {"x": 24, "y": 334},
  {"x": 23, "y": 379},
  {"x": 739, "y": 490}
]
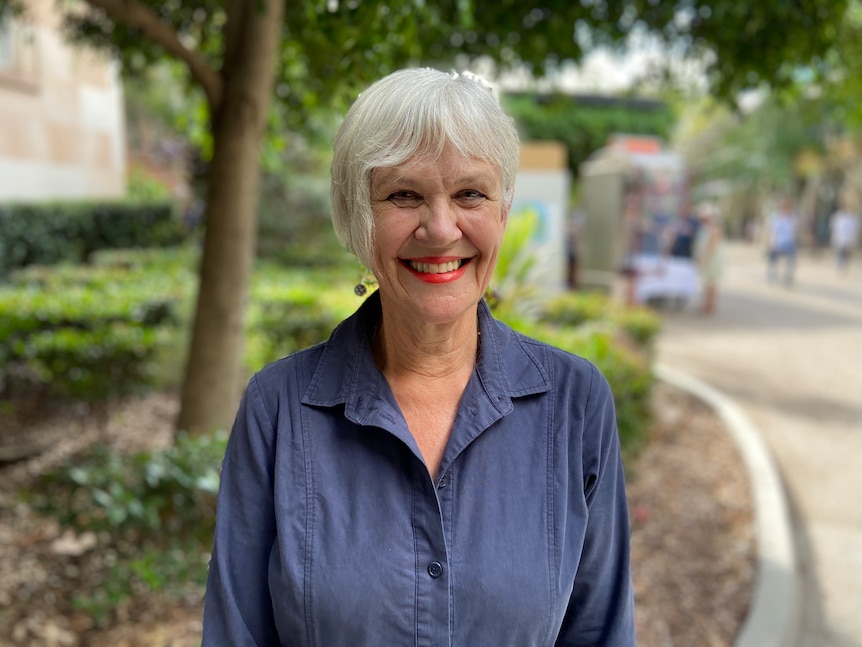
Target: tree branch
[{"x": 135, "y": 14}]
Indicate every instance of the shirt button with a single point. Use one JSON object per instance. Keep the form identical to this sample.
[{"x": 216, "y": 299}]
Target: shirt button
[
  {"x": 443, "y": 482},
  {"x": 435, "y": 569}
]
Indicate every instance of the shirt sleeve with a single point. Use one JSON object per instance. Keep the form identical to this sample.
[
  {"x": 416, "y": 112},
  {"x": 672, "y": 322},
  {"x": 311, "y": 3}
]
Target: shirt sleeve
[
  {"x": 237, "y": 604},
  {"x": 601, "y": 607}
]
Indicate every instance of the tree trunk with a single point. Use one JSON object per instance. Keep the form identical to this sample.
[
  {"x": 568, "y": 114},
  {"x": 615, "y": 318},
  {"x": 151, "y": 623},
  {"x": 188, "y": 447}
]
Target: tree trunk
[{"x": 213, "y": 380}]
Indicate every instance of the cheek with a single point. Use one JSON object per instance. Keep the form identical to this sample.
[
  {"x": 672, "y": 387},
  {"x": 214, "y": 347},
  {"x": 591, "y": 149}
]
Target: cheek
[{"x": 388, "y": 237}]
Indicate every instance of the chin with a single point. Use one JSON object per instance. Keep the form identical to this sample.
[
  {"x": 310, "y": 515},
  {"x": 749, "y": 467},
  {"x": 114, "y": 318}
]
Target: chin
[{"x": 445, "y": 308}]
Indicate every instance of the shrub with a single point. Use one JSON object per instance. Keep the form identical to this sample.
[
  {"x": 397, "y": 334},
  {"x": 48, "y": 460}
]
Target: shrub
[
  {"x": 291, "y": 310},
  {"x": 640, "y": 324},
  {"x": 88, "y": 332},
  {"x": 576, "y": 308},
  {"x": 153, "y": 512},
  {"x": 95, "y": 365},
  {"x": 45, "y": 234}
]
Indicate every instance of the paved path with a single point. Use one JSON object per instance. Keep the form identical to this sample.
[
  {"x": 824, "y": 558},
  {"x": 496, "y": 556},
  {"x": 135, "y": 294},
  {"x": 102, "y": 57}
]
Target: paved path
[{"x": 791, "y": 358}]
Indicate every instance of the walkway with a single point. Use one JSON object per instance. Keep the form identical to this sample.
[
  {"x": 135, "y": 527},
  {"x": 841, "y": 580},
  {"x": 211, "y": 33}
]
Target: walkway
[{"x": 791, "y": 358}]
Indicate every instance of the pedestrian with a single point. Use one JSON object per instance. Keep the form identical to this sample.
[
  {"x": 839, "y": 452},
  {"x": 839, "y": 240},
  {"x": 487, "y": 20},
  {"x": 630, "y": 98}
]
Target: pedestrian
[
  {"x": 427, "y": 475},
  {"x": 844, "y": 234},
  {"x": 709, "y": 255},
  {"x": 781, "y": 232},
  {"x": 684, "y": 233}
]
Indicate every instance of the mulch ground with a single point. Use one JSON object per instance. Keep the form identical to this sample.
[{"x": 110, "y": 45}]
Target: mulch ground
[
  {"x": 693, "y": 546},
  {"x": 693, "y": 541}
]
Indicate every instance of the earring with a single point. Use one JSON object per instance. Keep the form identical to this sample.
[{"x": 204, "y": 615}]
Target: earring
[{"x": 367, "y": 281}]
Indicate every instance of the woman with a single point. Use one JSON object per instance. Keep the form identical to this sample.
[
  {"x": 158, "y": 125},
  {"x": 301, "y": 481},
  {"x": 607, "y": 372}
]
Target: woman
[
  {"x": 709, "y": 256},
  {"x": 843, "y": 235},
  {"x": 781, "y": 232},
  {"x": 426, "y": 476}
]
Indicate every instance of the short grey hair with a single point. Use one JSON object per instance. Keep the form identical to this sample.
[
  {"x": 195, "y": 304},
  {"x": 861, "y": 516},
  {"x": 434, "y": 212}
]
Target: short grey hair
[{"x": 416, "y": 110}]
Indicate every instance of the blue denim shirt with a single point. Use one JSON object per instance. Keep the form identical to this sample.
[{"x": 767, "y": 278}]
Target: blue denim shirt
[{"x": 331, "y": 533}]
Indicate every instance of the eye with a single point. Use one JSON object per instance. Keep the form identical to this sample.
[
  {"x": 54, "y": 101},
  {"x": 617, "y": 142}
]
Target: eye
[
  {"x": 404, "y": 199},
  {"x": 470, "y": 197}
]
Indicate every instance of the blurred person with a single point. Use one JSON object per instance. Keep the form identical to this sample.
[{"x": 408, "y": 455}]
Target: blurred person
[
  {"x": 427, "y": 475},
  {"x": 781, "y": 233},
  {"x": 684, "y": 234},
  {"x": 843, "y": 235},
  {"x": 574, "y": 225},
  {"x": 708, "y": 253},
  {"x": 632, "y": 236}
]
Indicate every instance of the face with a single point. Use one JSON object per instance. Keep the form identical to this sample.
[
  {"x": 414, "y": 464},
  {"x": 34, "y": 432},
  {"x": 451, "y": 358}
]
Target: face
[{"x": 438, "y": 227}]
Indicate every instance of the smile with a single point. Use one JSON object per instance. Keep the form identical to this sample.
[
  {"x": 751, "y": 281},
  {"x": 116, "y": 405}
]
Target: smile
[
  {"x": 436, "y": 268},
  {"x": 437, "y": 273}
]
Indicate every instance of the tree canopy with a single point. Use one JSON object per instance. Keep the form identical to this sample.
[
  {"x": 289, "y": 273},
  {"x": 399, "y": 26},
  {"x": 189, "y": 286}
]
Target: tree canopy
[
  {"x": 585, "y": 123},
  {"x": 331, "y": 45}
]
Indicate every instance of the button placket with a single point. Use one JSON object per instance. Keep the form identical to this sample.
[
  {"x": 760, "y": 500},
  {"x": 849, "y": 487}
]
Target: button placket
[{"x": 432, "y": 605}]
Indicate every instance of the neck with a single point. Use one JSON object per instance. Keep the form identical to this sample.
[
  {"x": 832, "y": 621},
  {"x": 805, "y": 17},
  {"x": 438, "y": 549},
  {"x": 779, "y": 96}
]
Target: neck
[{"x": 428, "y": 351}]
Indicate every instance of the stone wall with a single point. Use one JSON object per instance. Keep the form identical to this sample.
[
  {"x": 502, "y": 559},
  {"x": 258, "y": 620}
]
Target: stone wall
[{"x": 61, "y": 114}]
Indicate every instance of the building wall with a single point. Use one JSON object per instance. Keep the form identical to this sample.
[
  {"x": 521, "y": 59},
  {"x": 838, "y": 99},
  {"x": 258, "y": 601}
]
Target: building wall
[
  {"x": 542, "y": 188},
  {"x": 61, "y": 114}
]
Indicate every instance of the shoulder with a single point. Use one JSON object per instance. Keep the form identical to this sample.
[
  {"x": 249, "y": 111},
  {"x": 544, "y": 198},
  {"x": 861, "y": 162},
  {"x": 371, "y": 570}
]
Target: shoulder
[
  {"x": 287, "y": 377},
  {"x": 567, "y": 371}
]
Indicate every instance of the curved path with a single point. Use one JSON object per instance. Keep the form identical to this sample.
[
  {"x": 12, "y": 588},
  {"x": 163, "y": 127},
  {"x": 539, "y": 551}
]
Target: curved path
[{"x": 791, "y": 359}]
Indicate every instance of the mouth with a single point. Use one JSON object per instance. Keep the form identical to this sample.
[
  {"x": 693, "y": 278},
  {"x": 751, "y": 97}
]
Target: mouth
[
  {"x": 436, "y": 268},
  {"x": 445, "y": 271}
]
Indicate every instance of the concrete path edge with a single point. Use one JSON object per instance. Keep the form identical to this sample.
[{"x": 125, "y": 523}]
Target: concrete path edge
[{"x": 774, "y": 611}]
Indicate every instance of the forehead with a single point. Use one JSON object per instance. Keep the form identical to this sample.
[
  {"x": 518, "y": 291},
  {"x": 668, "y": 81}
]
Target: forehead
[{"x": 449, "y": 166}]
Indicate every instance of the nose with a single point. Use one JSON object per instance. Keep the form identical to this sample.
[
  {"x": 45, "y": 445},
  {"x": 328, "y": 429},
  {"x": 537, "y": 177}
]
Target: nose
[{"x": 439, "y": 223}]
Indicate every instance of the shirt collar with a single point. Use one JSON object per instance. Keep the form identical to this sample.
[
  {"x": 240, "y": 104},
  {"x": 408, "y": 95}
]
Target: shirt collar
[{"x": 346, "y": 374}]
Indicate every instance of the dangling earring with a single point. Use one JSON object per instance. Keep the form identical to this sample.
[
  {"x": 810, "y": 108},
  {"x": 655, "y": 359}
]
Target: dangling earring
[{"x": 367, "y": 281}]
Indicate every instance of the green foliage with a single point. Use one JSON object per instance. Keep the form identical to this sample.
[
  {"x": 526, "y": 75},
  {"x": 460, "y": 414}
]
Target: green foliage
[
  {"x": 639, "y": 324},
  {"x": 576, "y": 308},
  {"x": 153, "y": 512},
  {"x": 292, "y": 309},
  {"x": 110, "y": 361},
  {"x": 132, "y": 495},
  {"x": 332, "y": 49},
  {"x": 143, "y": 188},
  {"x": 294, "y": 226},
  {"x": 744, "y": 48},
  {"x": 512, "y": 292},
  {"x": 91, "y": 332},
  {"x": 118, "y": 325},
  {"x": 51, "y": 233},
  {"x": 583, "y": 125},
  {"x": 841, "y": 87},
  {"x": 761, "y": 150}
]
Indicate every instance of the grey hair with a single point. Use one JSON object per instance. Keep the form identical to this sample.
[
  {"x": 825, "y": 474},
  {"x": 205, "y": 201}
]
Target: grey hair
[{"x": 414, "y": 111}]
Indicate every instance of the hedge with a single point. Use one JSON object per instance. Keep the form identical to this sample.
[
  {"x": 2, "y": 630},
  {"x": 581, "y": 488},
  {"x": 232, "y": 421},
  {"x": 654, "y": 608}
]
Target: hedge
[
  {"x": 45, "y": 234},
  {"x": 88, "y": 332}
]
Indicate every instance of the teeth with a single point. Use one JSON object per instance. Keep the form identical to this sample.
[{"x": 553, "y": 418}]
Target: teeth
[{"x": 433, "y": 268}]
